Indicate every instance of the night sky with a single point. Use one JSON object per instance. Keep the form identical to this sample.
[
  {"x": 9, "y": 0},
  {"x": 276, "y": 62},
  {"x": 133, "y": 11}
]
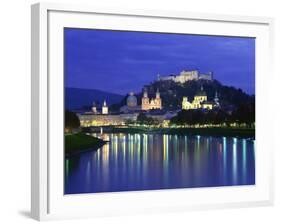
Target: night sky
[{"x": 120, "y": 62}]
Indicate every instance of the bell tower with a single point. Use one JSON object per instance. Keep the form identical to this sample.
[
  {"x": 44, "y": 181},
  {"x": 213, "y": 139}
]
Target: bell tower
[
  {"x": 158, "y": 100},
  {"x": 104, "y": 108},
  {"x": 94, "y": 108},
  {"x": 145, "y": 101}
]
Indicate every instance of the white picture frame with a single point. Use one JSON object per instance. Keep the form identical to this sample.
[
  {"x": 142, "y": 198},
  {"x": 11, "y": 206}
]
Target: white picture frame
[{"x": 48, "y": 201}]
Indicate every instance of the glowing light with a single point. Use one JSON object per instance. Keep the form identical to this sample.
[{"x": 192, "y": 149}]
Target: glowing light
[
  {"x": 165, "y": 148},
  {"x": 224, "y": 157},
  {"x": 244, "y": 159},
  {"x": 234, "y": 160}
]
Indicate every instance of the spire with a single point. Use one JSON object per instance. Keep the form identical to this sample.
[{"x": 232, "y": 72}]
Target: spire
[
  {"x": 158, "y": 76},
  {"x": 144, "y": 92},
  {"x": 216, "y": 99},
  {"x": 201, "y": 87},
  {"x": 104, "y": 108},
  {"x": 157, "y": 93}
]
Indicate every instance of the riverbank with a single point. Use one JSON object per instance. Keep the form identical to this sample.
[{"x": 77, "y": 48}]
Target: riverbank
[
  {"x": 214, "y": 131},
  {"x": 80, "y": 142}
]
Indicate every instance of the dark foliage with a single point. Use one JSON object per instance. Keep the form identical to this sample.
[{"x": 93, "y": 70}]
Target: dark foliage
[
  {"x": 71, "y": 121},
  {"x": 244, "y": 114},
  {"x": 143, "y": 119}
]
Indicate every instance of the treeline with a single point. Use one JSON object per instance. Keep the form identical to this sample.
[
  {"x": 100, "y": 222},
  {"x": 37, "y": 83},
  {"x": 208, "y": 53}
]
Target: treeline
[
  {"x": 71, "y": 121},
  {"x": 143, "y": 119},
  {"x": 244, "y": 114}
]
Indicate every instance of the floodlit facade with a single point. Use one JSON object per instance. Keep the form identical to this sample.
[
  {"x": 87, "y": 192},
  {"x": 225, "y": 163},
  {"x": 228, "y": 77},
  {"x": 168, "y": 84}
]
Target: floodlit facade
[
  {"x": 94, "y": 108},
  {"x": 132, "y": 104},
  {"x": 88, "y": 120},
  {"x": 154, "y": 103},
  {"x": 104, "y": 108},
  {"x": 200, "y": 101},
  {"x": 185, "y": 76}
]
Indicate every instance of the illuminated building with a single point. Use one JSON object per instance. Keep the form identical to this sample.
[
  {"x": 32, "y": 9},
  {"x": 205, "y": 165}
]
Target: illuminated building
[
  {"x": 185, "y": 76},
  {"x": 132, "y": 100},
  {"x": 200, "y": 101},
  {"x": 94, "y": 108},
  {"x": 90, "y": 119},
  {"x": 153, "y": 103},
  {"x": 186, "y": 105},
  {"x": 132, "y": 104},
  {"x": 104, "y": 108}
]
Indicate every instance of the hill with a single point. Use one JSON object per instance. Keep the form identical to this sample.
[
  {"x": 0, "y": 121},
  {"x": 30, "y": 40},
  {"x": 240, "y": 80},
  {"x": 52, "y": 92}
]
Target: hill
[
  {"x": 172, "y": 93},
  {"x": 82, "y": 99}
]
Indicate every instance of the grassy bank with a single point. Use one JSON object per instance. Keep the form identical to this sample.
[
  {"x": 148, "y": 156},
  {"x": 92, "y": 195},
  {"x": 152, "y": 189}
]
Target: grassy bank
[
  {"x": 76, "y": 143},
  {"x": 227, "y": 132}
]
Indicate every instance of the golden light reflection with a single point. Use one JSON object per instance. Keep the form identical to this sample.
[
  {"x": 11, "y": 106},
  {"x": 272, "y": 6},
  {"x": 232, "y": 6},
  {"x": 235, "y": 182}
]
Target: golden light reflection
[
  {"x": 165, "y": 148},
  {"x": 142, "y": 160},
  {"x": 224, "y": 146}
]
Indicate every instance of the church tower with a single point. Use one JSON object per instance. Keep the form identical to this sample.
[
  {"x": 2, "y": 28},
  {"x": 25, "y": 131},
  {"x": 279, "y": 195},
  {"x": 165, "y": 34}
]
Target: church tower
[
  {"x": 145, "y": 101},
  {"x": 185, "y": 104},
  {"x": 94, "y": 108},
  {"x": 104, "y": 108},
  {"x": 158, "y": 100},
  {"x": 216, "y": 99}
]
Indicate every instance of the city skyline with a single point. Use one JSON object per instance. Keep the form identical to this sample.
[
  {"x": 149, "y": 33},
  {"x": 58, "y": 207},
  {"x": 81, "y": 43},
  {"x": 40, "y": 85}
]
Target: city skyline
[{"x": 123, "y": 61}]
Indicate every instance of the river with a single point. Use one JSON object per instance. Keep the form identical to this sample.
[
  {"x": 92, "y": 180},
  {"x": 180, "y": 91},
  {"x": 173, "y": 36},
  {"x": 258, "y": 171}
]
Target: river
[{"x": 131, "y": 162}]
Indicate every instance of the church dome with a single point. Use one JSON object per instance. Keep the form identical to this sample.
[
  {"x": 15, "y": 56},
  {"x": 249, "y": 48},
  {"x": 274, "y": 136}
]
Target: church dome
[{"x": 132, "y": 100}]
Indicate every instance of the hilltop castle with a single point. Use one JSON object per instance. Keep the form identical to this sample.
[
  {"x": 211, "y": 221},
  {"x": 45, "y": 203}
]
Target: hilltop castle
[
  {"x": 153, "y": 103},
  {"x": 185, "y": 76}
]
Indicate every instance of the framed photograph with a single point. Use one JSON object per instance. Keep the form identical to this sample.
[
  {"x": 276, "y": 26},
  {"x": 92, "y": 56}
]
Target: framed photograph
[{"x": 138, "y": 111}]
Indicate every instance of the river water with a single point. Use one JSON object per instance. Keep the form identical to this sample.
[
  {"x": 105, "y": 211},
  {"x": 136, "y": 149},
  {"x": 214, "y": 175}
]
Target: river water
[{"x": 131, "y": 162}]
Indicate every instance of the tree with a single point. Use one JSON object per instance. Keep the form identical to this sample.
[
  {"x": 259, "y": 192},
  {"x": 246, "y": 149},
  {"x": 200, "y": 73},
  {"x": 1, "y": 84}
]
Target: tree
[
  {"x": 143, "y": 119},
  {"x": 245, "y": 113},
  {"x": 71, "y": 121}
]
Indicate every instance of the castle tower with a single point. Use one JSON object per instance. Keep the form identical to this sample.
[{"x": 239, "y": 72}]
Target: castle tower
[
  {"x": 94, "y": 108},
  {"x": 145, "y": 101},
  {"x": 104, "y": 108}
]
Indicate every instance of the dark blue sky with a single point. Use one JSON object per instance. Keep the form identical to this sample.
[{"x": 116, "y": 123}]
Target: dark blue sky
[{"x": 120, "y": 62}]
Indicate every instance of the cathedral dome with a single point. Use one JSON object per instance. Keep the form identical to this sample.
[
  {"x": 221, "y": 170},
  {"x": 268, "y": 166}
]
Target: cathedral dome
[{"x": 132, "y": 100}]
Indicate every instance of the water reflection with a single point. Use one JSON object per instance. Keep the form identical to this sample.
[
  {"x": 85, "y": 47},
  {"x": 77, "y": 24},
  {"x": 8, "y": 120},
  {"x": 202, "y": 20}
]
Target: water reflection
[{"x": 147, "y": 161}]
